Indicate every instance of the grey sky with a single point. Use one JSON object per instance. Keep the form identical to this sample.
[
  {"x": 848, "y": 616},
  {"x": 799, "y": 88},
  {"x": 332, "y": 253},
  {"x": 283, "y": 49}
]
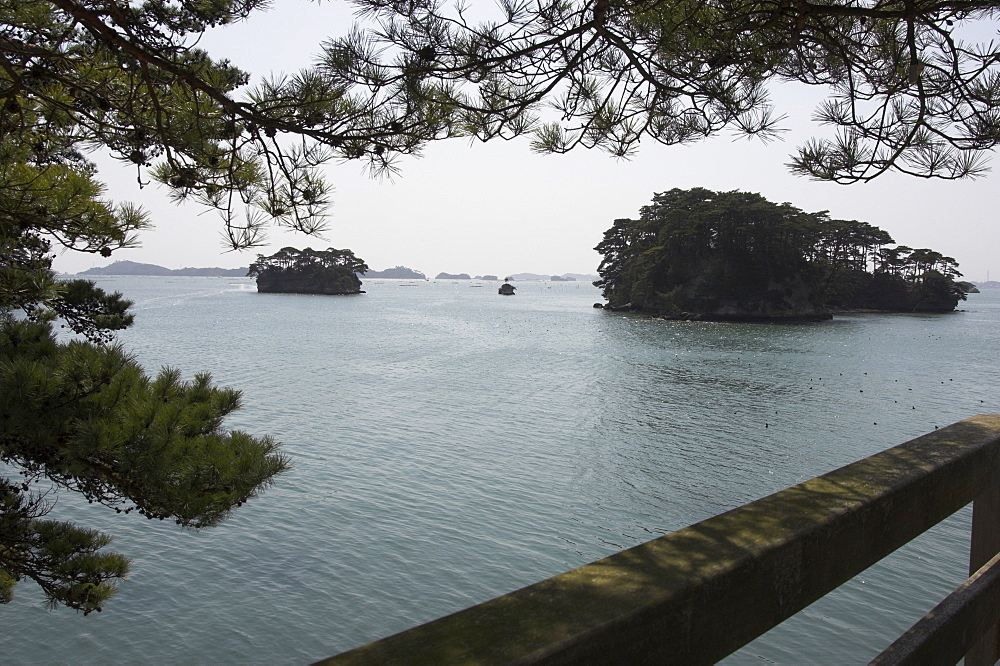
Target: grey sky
[{"x": 498, "y": 208}]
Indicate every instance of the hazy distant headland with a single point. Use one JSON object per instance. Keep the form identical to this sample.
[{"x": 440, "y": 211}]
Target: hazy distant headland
[
  {"x": 394, "y": 273},
  {"x": 397, "y": 273},
  {"x": 135, "y": 268}
]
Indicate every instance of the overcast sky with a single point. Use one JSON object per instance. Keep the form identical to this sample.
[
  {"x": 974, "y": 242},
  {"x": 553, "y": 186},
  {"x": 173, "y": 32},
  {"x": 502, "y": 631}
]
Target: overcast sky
[{"x": 498, "y": 208}]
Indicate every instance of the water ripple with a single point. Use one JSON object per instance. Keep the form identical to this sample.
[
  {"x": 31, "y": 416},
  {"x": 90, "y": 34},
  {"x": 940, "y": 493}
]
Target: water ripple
[{"x": 449, "y": 446}]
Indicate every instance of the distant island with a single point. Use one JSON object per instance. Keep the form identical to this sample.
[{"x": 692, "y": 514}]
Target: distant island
[
  {"x": 698, "y": 254},
  {"x": 523, "y": 277},
  {"x": 292, "y": 271},
  {"x": 565, "y": 277},
  {"x": 136, "y": 268},
  {"x": 397, "y": 273}
]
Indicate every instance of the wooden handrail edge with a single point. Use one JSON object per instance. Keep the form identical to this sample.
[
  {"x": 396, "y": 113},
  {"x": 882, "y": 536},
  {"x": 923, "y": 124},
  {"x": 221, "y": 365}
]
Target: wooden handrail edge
[{"x": 697, "y": 594}]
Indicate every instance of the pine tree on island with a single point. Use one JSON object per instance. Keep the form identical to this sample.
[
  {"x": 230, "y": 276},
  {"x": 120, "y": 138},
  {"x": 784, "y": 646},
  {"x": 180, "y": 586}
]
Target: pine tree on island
[
  {"x": 735, "y": 255},
  {"x": 308, "y": 271}
]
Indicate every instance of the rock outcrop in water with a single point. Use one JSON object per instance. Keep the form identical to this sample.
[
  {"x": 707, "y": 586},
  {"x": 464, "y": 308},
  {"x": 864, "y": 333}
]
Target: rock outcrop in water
[
  {"x": 715, "y": 295},
  {"x": 308, "y": 271}
]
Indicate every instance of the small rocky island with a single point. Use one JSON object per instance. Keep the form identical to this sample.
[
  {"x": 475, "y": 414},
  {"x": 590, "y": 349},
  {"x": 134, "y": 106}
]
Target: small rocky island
[
  {"x": 735, "y": 256},
  {"x": 308, "y": 271}
]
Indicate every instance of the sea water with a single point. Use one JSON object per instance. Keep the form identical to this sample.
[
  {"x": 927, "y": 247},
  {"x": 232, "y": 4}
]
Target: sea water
[{"x": 450, "y": 445}]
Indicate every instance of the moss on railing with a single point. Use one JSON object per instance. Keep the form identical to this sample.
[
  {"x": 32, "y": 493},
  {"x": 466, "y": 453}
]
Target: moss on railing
[{"x": 698, "y": 594}]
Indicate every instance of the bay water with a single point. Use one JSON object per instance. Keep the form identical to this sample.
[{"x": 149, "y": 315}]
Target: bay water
[{"x": 450, "y": 445}]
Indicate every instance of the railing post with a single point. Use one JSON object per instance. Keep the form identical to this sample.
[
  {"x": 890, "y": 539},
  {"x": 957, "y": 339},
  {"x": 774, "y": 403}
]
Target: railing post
[{"x": 985, "y": 544}]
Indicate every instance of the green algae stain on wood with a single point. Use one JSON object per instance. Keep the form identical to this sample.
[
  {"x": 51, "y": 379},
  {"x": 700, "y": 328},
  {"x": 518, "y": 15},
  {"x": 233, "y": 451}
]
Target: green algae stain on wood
[{"x": 698, "y": 594}]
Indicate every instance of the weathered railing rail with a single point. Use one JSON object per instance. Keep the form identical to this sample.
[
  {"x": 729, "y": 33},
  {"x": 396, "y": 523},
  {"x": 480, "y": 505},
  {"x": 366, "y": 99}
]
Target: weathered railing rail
[{"x": 702, "y": 592}]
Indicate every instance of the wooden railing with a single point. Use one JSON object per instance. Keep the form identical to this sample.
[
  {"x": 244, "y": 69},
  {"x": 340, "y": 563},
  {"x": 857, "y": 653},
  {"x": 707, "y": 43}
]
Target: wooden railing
[{"x": 702, "y": 592}]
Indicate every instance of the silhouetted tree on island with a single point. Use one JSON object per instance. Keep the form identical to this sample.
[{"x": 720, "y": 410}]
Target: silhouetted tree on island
[
  {"x": 735, "y": 255},
  {"x": 308, "y": 271}
]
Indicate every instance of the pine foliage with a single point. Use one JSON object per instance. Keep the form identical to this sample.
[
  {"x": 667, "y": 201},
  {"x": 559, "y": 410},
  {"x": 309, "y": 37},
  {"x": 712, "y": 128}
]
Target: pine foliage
[
  {"x": 120, "y": 438},
  {"x": 909, "y": 86},
  {"x": 84, "y": 417},
  {"x": 77, "y": 413},
  {"x": 62, "y": 558}
]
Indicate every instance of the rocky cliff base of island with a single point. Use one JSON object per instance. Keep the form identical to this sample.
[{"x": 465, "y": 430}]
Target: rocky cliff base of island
[{"x": 335, "y": 285}]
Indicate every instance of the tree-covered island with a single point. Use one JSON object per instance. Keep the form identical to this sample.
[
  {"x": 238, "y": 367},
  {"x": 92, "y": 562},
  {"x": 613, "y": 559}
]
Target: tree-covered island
[
  {"x": 698, "y": 254},
  {"x": 308, "y": 271}
]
